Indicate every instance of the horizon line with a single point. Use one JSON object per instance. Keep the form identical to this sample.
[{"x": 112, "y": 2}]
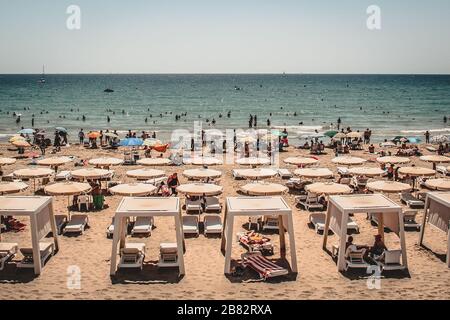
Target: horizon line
[{"x": 227, "y": 73}]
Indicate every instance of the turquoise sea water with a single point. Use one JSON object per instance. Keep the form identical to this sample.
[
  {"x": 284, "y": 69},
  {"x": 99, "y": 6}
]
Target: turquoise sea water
[{"x": 388, "y": 104}]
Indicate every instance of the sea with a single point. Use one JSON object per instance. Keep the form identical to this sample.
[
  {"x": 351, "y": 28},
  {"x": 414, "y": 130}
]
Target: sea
[{"x": 390, "y": 105}]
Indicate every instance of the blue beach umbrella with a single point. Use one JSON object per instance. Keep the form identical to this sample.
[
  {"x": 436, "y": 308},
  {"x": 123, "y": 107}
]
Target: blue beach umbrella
[
  {"x": 61, "y": 129},
  {"x": 26, "y": 131},
  {"x": 131, "y": 142},
  {"x": 414, "y": 140}
]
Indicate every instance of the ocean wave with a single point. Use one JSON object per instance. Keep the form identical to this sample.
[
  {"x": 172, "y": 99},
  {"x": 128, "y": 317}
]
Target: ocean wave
[
  {"x": 423, "y": 131},
  {"x": 306, "y": 129}
]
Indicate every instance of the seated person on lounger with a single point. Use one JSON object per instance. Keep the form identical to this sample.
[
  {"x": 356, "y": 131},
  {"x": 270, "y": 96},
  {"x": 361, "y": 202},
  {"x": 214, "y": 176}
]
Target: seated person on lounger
[
  {"x": 351, "y": 247},
  {"x": 378, "y": 247},
  {"x": 164, "y": 189}
]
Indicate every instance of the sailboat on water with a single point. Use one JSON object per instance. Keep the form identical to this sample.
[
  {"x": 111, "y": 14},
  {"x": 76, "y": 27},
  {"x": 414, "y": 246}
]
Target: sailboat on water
[{"x": 42, "y": 79}]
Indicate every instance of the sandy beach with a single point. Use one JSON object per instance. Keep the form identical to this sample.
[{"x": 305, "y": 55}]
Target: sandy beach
[{"x": 317, "y": 278}]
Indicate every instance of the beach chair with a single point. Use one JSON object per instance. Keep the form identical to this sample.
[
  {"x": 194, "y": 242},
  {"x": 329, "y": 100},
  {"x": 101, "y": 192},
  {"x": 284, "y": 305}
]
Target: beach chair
[
  {"x": 8, "y": 177},
  {"x": 318, "y": 221},
  {"x": 270, "y": 223},
  {"x": 442, "y": 170},
  {"x": 142, "y": 226},
  {"x": 408, "y": 199},
  {"x": 132, "y": 256},
  {"x": 300, "y": 198},
  {"x": 236, "y": 175},
  {"x": 355, "y": 259},
  {"x": 265, "y": 268},
  {"x": 190, "y": 225},
  {"x": 390, "y": 260},
  {"x": 409, "y": 219},
  {"x": 77, "y": 224},
  {"x": 61, "y": 221},
  {"x": 84, "y": 200},
  {"x": 194, "y": 206},
  {"x": 212, "y": 204},
  {"x": 157, "y": 181},
  {"x": 343, "y": 171},
  {"x": 63, "y": 175},
  {"x": 46, "y": 249},
  {"x": 254, "y": 220},
  {"x": 7, "y": 252},
  {"x": 284, "y": 173},
  {"x": 168, "y": 255},
  {"x": 212, "y": 224},
  {"x": 311, "y": 202}
]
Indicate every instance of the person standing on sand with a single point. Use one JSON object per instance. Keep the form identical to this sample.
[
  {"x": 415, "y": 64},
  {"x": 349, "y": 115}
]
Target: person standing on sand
[
  {"x": 81, "y": 136},
  {"x": 339, "y": 121},
  {"x": 427, "y": 137}
]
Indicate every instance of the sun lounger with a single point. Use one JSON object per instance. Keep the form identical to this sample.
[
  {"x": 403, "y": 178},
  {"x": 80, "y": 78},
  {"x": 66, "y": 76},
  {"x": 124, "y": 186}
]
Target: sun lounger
[
  {"x": 390, "y": 260},
  {"x": 190, "y": 225},
  {"x": 343, "y": 171},
  {"x": 284, "y": 173},
  {"x": 236, "y": 175},
  {"x": 411, "y": 201},
  {"x": 194, "y": 206},
  {"x": 355, "y": 259},
  {"x": 253, "y": 241},
  {"x": 212, "y": 204},
  {"x": 7, "y": 252},
  {"x": 264, "y": 267},
  {"x": 61, "y": 221},
  {"x": 318, "y": 221},
  {"x": 300, "y": 198},
  {"x": 142, "y": 226},
  {"x": 442, "y": 170},
  {"x": 212, "y": 224},
  {"x": 157, "y": 181},
  {"x": 431, "y": 149},
  {"x": 77, "y": 224},
  {"x": 132, "y": 256},
  {"x": 270, "y": 223},
  {"x": 168, "y": 255},
  {"x": 8, "y": 177},
  {"x": 110, "y": 229},
  {"x": 63, "y": 175},
  {"x": 409, "y": 219},
  {"x": 311, "y": 202},
  {"x": 46, "y": 249}
]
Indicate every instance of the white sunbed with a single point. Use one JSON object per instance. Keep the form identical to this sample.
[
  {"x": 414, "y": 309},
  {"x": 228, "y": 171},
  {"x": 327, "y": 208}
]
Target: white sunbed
[
  {"x": 212, "y": 204},
  {"x": 194, "y": 205},
  {"x": 212, "y": 224},
  {"x": 409, "y": 219},
  {"x": 318, "y": 221},
  {"x": 46, "y": 249},
  {"x": 270, "y": 223},
  {"x": 190, "y": 225},
  {"x": 168, "y": 255},
  {"x": 442, "y": 170},
  {"x": 236, "y": 175},
  {"x": 343, "y": 171},
  {"x": 411, "y": 201},
  {"x": 390, "y": 260},
  {"x": 132, "y": 256},
  {"x": 157, "y": 181},
  {"x": 355, "y": 259},
  {"x": 7, "y": 252},
  {"x": 63, "y": 175},
  {"x": 284, "y": 173},
  {"x": 77, "y": 224},
  {"x": 311, "y": 202},
  {"x": 142, "y": 225}
]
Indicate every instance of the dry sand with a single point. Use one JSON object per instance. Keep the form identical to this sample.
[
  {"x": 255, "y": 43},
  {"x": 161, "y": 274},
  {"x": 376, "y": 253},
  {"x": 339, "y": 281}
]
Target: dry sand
[{"x": 318, "y": 277}]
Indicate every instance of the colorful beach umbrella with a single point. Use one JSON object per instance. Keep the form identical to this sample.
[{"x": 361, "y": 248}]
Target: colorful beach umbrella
[
  {"x": 93, "y": 135},
  {"x": 331, "y": 133},
  {"x": 26, "y": 131}
]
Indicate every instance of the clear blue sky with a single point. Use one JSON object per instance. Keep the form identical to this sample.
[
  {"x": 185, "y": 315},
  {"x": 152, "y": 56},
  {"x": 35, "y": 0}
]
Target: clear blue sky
[{"x": 225, "y": 36}]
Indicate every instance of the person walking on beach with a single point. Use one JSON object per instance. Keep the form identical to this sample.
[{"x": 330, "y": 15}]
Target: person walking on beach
[
  {"x": 81, "y": 136},
  {"x": 42, "y": 145},
  {"x": 427, "y": 137},
  {"x": 339, "y": 121}
]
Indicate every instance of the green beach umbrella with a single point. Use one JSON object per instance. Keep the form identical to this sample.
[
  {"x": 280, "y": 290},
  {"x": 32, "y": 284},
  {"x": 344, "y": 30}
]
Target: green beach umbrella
[{"x": 330, "y": 133}]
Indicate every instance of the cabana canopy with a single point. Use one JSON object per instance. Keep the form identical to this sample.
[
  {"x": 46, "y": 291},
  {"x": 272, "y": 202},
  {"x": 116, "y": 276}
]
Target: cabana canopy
[
  {"x": 437, "y": 210},
  {"x": 389, "y": 215},
  {"x": 257, "y": 206},
  {"x": 146, "y": 207},
  {"x": 42, "y": 220}
]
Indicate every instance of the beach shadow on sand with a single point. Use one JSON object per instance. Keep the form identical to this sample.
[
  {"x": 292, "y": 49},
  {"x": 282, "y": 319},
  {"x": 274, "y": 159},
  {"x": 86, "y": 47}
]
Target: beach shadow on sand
[
  {"x": 12, "y": 275},
  {"x": 150, "y": 274},
  {"x": 440, "y": 256}
]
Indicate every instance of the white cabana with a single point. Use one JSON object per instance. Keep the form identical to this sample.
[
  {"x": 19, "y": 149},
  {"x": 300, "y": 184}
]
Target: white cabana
[
  {"x": 257, "y": 206},
  {"x": 146, "y": 207},
  {"x": 42, "y": 221},
  {"x": 437, "y": 210},
  {"x": 389, "y": 214}
]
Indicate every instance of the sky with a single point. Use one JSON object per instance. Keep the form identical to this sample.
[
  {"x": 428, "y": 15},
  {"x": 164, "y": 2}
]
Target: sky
[{"x": 225, "y": 36}]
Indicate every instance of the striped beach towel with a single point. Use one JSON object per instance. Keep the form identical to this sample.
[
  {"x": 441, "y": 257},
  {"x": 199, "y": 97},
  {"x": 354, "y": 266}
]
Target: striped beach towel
[{"x": 265, "y": 268}]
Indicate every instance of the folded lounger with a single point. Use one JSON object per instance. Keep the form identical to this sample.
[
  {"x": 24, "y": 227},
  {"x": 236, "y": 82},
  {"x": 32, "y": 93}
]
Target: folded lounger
[
  {"x": 132, "y": 256},
  {"x": 168, "y": 255},
  {"x": 412, "y": 201},
  {"x": 63, "y": 175},
  {"x": 46, "y": 249},
  {"x": 142, "y": 225},
  {"x": 264, "y": 267},
  {"x": 284, "y": 173},
  {"x": 212, "y": 204},
  {"x": 190, "y": 225},
  {"x": 7, "y": 252},
  {"x": 61, "y": 221},
  {"x": 318, "y": 221},
  {"x": 77, "y": 224},
  {"x": 212, "y": 224}
]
